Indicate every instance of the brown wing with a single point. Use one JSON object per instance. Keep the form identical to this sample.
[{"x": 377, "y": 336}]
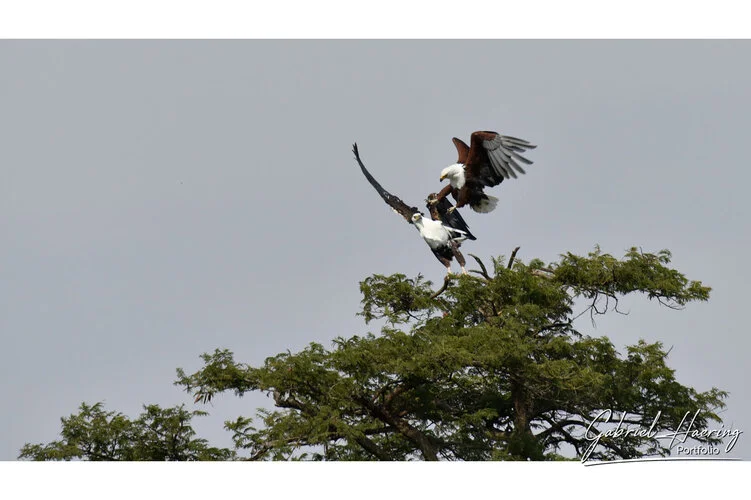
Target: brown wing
[
  {"x": 395, "y": 203},
  {"x": 493, "y": 157},
  {"x": 462, "y": 149}
]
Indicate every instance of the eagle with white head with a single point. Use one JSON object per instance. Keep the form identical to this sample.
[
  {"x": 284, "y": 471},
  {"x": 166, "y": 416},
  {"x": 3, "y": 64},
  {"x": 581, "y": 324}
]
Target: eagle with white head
[{"x": 486, "y": 162}]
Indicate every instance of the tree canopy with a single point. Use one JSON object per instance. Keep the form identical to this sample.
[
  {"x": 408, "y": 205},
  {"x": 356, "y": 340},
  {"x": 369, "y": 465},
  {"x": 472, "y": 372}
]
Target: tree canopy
[
  {"x": 158, "y": 434},
  {"x": 490, "y": 366}
]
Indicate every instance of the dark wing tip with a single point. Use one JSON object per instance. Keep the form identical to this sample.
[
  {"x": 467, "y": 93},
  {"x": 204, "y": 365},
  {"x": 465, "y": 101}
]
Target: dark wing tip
[
  {"x": 453, "y": 220},
  {"x": 470, "y": 236},
  {"x": 394, "y": 202}
]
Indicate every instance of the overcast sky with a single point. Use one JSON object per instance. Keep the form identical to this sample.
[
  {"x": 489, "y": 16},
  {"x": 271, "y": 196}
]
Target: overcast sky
[{"x": 159, "y": 200}]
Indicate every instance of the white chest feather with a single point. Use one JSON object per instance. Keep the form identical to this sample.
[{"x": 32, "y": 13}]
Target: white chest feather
[
  {"x": 433, "y": 232},
  {"x": 457, "y": 178}
]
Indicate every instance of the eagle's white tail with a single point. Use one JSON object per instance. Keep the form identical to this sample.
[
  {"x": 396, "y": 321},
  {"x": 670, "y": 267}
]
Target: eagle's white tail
[{"x": 487, "y": 204}]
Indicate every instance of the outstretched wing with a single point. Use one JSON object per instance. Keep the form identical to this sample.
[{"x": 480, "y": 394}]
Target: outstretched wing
[
  {"x": 440, "y": 212},
  {"x": 395, "y": 203},
  {"x": 493, "y": 157}
]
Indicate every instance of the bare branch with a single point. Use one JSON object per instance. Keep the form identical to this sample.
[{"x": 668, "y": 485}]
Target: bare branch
[
  {"x": 484, "y": 272},
  {"x": 670, "y": 306},
  {"x": 511, "y": 259},
  {"x": 446, "y": 282},
  {"x": 581, "y": 313},
  {"x": 423, "y": 441}
]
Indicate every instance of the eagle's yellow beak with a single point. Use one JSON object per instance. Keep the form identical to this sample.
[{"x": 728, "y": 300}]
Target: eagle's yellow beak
[{"x": 442, "y": 177}]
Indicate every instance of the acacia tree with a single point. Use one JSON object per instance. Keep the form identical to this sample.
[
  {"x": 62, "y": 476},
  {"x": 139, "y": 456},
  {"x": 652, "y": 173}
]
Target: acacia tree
[
  {"x": 157, "y": 434},
  {"x": 491, "y": 366}
]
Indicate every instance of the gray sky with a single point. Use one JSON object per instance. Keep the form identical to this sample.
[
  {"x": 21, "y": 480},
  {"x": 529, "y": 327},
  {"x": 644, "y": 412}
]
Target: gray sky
[{"x": 159, "y": 200}]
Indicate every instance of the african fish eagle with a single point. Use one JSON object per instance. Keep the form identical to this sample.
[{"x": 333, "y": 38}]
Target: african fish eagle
[
  {"x": 443, "y": 233},
  {"x": 490, "y": 158}
]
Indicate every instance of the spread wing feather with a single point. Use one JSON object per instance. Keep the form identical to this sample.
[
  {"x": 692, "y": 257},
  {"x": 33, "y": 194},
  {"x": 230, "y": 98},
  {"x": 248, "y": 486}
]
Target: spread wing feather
[
  {"x": 493, "y": 157},
  {"x": 395, "y": 203}
]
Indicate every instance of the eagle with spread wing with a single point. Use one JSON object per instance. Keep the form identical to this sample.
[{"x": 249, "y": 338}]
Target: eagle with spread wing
[
  {"x": 443, "y": 232},
  {"x": 486, "y": 162}
]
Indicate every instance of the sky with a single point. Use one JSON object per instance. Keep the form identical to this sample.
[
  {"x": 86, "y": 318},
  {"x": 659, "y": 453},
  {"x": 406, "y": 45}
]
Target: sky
[{"x": 161, "y": 199}]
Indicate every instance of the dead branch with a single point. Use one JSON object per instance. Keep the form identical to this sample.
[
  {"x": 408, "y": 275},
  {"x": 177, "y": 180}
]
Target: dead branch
[
  {"x": 446, "y": 282},
  {"x": 511, "y": 259},
  {"x": 484, "y": 272}
]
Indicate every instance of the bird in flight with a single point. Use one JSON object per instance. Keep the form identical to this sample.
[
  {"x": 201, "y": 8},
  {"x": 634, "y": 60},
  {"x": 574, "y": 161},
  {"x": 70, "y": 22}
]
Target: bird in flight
[
  {"x": 486, "y": 162},
  {"x": 443, "y": 232}
]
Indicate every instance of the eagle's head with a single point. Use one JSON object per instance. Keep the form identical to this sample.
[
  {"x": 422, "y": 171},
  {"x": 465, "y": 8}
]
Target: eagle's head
[
  {"x": 416, "y": 217},
  {"x": 455, "y": 174}
]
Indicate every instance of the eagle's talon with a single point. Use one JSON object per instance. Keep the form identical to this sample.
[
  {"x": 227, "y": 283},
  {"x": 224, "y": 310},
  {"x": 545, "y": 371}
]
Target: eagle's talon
[{"x": 451, "y": 210}]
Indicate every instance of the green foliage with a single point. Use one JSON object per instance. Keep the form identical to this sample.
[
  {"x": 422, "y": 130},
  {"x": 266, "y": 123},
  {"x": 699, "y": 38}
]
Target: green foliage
[
  {"x": 491, "y": 368},
  {"x": 157, "y": 434},
  {"x": 603, "y": 275},
  {"x": 396, "y": 298}
]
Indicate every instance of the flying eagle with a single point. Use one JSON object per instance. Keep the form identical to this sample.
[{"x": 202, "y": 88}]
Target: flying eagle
[
  {"x": 490, "y": 159},
  {"x": 443, "y": 233}
]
